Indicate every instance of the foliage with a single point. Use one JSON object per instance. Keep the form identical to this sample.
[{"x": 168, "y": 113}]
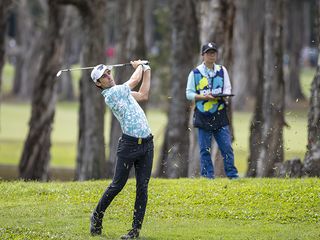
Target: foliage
[{"x": 177, "y": 209}]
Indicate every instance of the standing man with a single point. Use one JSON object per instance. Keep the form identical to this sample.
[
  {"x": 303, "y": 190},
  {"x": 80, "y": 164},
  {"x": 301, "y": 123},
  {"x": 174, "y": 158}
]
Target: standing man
[
  {"x": 210, "y": 116},
  {"x": 135, "y": 146}
]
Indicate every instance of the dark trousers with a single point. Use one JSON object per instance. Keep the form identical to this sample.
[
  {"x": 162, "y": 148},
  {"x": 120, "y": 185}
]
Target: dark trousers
[{"x": 137, "y": 152}]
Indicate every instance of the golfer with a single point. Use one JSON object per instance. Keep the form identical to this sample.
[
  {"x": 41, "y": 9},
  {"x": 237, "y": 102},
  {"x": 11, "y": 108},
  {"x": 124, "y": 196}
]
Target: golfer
[{"x": 135, "y": 146}]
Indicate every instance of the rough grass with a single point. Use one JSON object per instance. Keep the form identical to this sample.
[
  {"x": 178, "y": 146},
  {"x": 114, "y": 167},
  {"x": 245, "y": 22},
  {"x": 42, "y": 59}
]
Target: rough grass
[{"x": 177, "y": 209}]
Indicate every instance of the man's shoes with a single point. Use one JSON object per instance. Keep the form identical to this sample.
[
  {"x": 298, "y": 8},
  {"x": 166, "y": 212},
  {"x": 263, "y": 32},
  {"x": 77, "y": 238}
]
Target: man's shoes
[
  {"x": 133, "y": 233},
  {"x": 96, "y": 224}
]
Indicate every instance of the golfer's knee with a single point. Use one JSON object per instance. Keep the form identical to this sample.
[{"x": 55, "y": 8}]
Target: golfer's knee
[{"x": 116, "y": 187}]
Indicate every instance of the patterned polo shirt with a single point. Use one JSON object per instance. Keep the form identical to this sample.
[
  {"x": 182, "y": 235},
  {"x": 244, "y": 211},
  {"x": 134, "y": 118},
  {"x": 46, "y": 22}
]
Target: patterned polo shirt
[{"x": 125, "y": 108}]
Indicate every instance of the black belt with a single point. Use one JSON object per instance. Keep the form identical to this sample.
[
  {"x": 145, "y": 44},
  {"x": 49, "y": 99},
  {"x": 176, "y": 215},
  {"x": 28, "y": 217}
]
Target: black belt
[{"x": 137, "y": 140}]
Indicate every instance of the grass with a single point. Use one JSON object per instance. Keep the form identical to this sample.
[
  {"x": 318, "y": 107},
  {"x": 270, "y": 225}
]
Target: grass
[
  {"x": 177, "y": 209},
  {"x": 306, "y": 78},
  {"x": 14, "y": 119}
]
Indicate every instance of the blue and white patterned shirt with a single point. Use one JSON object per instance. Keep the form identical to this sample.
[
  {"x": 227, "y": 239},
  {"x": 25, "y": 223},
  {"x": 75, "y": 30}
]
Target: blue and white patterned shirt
[{"x": 125, "y": 108}]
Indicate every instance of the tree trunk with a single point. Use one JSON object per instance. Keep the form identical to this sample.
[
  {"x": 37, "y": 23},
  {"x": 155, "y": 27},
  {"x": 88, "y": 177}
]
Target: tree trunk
[
  {"x": 256, "y": 79},
  {"x": 35, "y": 158},
  {"x": 184, "y": 26},
  {"x": 273, "y": 92},
  {"x": 72, "y": 36},
  {"x": 91, "y": 162},
  {"x": 241, "y": 52},
  {"x": 4, "y": 6},
  {"x": 255, "y": 29},
  {"x": 293, "y": 46},
  {"x": 29, "y": 38},
  {"x": 130, "y": 45},
  {"x": 257, "y": 119},
  {"x": 194, "y": 156},
  {"x": 311, "y": 165}
]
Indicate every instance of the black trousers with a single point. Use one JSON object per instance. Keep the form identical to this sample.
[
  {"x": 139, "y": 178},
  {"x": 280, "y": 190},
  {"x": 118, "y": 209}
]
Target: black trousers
[{"x": 137, "y": 152}]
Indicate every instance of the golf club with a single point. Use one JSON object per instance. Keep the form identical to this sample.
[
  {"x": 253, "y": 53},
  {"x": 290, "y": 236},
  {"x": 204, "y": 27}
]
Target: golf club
[{"x": 85, "y": 68}]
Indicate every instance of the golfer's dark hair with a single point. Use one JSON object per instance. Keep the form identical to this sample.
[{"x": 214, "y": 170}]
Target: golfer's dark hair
[{"x": 98, "y": 86}]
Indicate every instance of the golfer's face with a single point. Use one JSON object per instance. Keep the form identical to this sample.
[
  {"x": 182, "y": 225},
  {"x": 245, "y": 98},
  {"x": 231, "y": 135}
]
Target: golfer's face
[
  {"x": 210, "y": 56},
  {"x": 106, "y": 79}
]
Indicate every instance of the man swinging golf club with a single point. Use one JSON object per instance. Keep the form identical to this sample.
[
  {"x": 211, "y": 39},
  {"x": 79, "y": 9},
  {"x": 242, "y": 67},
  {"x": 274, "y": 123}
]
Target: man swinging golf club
[{"x": 135, "y": 146}]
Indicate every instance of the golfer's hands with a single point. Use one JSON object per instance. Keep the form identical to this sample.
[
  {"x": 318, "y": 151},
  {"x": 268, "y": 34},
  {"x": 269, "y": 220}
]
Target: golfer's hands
[{"x": 136, "y": 63}]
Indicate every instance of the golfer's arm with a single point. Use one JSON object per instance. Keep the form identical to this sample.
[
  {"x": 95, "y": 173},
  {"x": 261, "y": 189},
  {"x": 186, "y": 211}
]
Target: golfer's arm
[
  {"x": 135, "y": 77},
  {"x": 143, "y": 93}
]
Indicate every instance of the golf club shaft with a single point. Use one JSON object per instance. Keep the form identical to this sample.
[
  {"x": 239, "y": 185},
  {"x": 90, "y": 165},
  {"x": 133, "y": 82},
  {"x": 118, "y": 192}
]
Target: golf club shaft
[
  {"x": 84, "y": 68},
  {"x": 74, "y": 69}
]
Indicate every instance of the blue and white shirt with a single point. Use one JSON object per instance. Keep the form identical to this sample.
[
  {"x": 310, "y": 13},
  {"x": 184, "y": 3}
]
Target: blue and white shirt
[{"x": 125, "y": 108}]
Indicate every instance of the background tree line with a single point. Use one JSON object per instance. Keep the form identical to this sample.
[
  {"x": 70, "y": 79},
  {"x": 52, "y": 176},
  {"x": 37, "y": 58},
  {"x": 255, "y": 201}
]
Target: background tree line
[{"x": 260, "y": 43}]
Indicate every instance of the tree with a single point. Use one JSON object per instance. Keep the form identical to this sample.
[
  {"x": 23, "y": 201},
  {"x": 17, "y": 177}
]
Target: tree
[
  {"x": 91, "y": 162},
  {"x": 241, "y": 64},
  {"x": 4, "y": 6},
  {"x": 293, "y": 23},
  {"x": 35, "y": 157},
  {"x": 130, "y": 45},
  {"x": 311, "y": 165},
  {"x": 173, "y": 163},
  {"x": 271, "y": 151},
  {"x": 31, "y": 24},
  {"x": 73, "y": 38},
  {"x": 256, "y": 81}
]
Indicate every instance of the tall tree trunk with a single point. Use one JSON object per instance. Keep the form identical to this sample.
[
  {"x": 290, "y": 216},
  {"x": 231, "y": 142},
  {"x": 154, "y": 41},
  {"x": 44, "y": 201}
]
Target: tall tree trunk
[
  {"x": 4, "y": 6},
  {"x": 256, "y": 80},
  {"x": 130, "y": 45},
  {"x": 257, "y": 119},
  {"x": 255, "y": 29},
  {"x": 241, "y": 52},
  {"x": 29, "y": 38},
  {"x": 293, "y": 46},
  {"x": 36, "y": 153},
  {"x": 184, "y": 26},
  {"x": 273, "y": 92},
  {"x": 91, "y": 162},
  {"x": 311, "y": 165},
  {"x": 72, "y": 36}
]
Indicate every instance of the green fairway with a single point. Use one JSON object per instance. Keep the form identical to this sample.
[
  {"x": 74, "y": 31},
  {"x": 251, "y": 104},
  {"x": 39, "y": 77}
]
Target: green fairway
[
  {"x": 177, "y": 209},
  {"x": 14, "y": 119}
]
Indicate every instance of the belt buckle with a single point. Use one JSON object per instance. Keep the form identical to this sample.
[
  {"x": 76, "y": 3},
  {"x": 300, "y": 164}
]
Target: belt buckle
[{"x": 140, "y": 141}]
